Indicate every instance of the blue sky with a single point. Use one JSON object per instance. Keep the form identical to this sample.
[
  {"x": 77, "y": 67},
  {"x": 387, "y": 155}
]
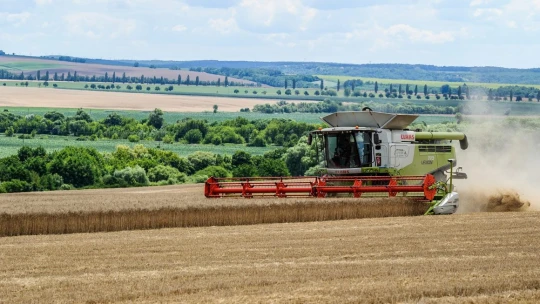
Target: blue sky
[{"x": 440, "y": 32}]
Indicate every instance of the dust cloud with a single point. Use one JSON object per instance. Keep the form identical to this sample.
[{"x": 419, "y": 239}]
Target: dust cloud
[{"x": 502, "y": 165}]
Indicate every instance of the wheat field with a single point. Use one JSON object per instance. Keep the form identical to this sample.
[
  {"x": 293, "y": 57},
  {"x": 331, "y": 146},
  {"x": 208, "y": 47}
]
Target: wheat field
[
  {"x": 468, "y": 258},
  {"x": 61, "y": 212}
]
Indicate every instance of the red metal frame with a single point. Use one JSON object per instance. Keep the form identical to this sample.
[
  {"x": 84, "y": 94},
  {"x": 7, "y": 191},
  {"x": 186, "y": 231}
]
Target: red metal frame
[{"x": 313, "y": 186}]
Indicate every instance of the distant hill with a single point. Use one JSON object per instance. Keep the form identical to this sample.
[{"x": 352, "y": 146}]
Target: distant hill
[
  {"x": 30, "y": 66},
  {"x": 387, "y": 71},
  {"x": 378, "y": 70}
]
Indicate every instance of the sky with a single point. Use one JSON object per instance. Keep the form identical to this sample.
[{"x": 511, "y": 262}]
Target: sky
[{"x": 439, "y": 32}]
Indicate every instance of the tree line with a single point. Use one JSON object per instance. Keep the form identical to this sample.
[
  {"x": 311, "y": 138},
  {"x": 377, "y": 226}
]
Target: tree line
[
  {"x": 331, "y": 106},
  {"x": 35, "y": 169},
  {"x": 260, "y": 132},
  {"x": 359, "y": 88},
  {"x": 114, "y": 78},
  {"x": 269, "y": 77}
]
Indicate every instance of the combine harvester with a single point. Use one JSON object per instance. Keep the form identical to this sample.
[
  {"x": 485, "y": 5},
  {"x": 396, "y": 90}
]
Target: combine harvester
[{"x": 367, "y": 154}]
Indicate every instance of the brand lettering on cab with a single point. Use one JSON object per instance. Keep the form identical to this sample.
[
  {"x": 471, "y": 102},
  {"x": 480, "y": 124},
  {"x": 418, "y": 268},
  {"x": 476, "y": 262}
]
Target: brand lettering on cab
[{"x": 407, "y": 136}]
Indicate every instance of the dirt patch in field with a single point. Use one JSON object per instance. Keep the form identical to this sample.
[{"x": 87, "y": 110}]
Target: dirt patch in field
[
  {"x": 500, "y": 201},
  {"x": 52, "y": 98}
]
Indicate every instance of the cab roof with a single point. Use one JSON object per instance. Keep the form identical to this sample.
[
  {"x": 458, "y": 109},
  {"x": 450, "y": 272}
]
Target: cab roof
[{"x": 369, "y": 119}]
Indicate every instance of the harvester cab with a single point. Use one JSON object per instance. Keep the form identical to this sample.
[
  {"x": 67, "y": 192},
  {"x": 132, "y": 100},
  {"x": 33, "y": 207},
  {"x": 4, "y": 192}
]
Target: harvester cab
[
  {"x": 375, "y": 144},
  {"x": 367, "y": 154}
]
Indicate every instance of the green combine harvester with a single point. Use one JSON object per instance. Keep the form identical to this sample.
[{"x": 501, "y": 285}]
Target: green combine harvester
[{"x": 367, "y": 154}]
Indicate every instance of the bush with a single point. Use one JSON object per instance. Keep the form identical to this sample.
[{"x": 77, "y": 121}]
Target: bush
[
  {"x": 216, "y": 140},
  {"x": 330, "y": 93},
  {"x": 109, "y": 180},
  {"x": 279, "y": 140},
  {"x": 201, "y": 160},
  {"x": 16, "y": 185},
  {"x": 168, "y": 139},
  {"x": 193, "y": 136},
  {"x": 163, "y": 173},
  {"x": 215, "y": 171},
  {"x": 51, "y": 182},
  {"x": 10, "y": 132},
  {"x": 200, "y": 178},
  {"x": 77, "y": 165},
  {"x": 245, "y": 170},
  {"x": 25, "y": 136},
  {"x": 132, "y": 176},
  {"x": 67, "y": 187},
  {"x": 133, "y": 138},
  {"x": 258, "y": 141}
]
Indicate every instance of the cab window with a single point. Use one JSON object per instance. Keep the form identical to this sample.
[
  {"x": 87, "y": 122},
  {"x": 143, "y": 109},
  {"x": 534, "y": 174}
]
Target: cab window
[{"x": 342, "y": 151}]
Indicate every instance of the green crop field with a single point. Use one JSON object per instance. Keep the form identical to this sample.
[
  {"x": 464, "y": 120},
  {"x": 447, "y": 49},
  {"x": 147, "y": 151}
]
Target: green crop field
[
  {"x": 10, "y": 145},
  {"x": 499, "y": 108},
  {"x": 383, "y": 81},
  {"x": 28, "y": 66},
  {"x": 243, "y": 91},
  {"x": 172, "y": 117}
]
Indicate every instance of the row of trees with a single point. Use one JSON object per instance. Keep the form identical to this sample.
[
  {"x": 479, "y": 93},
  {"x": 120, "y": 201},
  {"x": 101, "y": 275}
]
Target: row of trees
[
  {"x": 262, "y": 132},
  {"x": 35, "y": 169},
  {"x": 75, "y": 77},
  {"x": 351, "y": 87},
  {"x": 511, "y": 93},
  {"x": 270, "y": 77},
  {"x": 330, "y": 106}
]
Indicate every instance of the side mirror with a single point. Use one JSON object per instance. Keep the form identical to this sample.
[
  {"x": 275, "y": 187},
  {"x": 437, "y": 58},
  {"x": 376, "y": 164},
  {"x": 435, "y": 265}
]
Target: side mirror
[{"x": 376, "y": 139}]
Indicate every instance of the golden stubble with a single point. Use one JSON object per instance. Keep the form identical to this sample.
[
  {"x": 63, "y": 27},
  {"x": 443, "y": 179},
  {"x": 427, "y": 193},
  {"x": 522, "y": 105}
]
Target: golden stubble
[{"x": 474, "y": 258}]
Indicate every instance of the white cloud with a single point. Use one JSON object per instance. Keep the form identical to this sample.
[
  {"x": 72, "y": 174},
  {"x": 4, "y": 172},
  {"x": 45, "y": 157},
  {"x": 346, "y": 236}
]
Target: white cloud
[
  {"x": 16, "y": 19},
  {"x": 488, "y": 13},
  {"x": 179, "y": 28},
  {"x": 43, "y": 2},
  {"x": 407, "y": 32},
  {"x": 516, "y": 14},
  {"x": 419, "y": 35},
  {"x": 421, "y": 31},
  {"x": 95, "y": 25},
  {"x": 274, "y": 16},
  {"x": 479, "y": 2},
  {"x": 524, "y": 14},
  {"x": 223, "y": 26}
]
